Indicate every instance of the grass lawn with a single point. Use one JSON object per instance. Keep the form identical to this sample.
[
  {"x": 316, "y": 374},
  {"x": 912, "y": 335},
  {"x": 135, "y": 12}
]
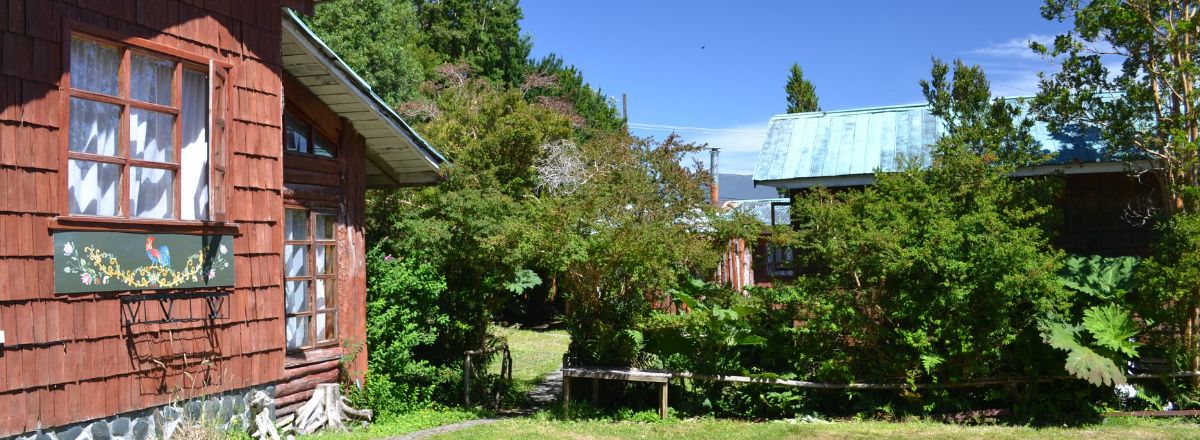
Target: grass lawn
[
  {"x": 725, "y": 429},
  {"x": 414, "y": 421},
  {"x": 535, "y": 353}
]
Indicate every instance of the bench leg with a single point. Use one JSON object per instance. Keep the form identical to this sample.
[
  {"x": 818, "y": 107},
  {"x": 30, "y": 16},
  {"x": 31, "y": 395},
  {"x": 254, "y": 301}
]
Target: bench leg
[
  {"x": 566, "y": 397},
  {"x": 595, "y": 391},
  {"x": 662, "y": 401}
]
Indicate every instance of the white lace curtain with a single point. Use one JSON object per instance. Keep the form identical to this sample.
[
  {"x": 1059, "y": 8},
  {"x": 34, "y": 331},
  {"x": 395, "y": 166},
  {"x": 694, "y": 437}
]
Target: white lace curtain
[{"x": 94, "y": 186}]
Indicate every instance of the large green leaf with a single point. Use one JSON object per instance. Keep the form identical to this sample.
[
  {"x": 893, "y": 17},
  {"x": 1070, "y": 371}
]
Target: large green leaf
[
  {"x": 1112, "y": 328},
  {"x": 1059, "y": 335},
  {"x": 1101, "y": 277},
  {"x": 1088, "y": 365},
  {"x": 684, "y": 298},
  {"x": 523, "y": 280}
]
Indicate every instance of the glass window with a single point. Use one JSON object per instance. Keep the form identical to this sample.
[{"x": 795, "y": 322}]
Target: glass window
[
  {"x": 151, "y": 78},
  {"x": 300, "y": 137},
  {"x": 309, "y": 269},
  {"x": 94, "y": 66},
  {"x": 165, "y": 161}
]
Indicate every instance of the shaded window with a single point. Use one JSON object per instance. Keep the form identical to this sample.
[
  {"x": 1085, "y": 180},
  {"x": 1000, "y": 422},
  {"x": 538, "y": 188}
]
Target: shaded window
[
  {"x": 300, "y": 137},
  {"x": 310, "y": 278}
]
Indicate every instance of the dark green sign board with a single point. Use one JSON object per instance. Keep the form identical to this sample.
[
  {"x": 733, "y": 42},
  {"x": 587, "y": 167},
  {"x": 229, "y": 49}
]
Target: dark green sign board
[{"x": 118, "y": 261}]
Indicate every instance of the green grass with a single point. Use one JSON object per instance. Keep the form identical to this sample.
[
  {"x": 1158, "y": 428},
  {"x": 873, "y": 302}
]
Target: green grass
[
  {"x": 535, "y": 354},
  {"x": 726, "y": 429},
  {"x": 414, "y": 421}
]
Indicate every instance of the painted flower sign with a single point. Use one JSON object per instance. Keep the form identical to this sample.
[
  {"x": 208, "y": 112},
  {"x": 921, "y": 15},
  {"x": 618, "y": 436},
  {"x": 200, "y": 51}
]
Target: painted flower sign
[{"x": 116, "y": 261}]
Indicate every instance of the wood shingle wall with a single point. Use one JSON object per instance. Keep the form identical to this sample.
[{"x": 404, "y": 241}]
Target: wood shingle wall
[{"x": 68, "y": 358}]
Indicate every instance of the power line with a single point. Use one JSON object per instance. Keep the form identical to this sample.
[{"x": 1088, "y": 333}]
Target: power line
[{"x": 662, "y": 127}]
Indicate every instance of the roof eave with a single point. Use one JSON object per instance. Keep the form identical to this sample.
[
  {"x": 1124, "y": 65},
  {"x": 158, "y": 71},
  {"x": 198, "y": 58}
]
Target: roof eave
[{"x": 337, "y": 68}]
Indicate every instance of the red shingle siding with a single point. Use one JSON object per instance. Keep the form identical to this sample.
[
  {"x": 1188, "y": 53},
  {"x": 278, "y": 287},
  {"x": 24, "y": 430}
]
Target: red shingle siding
[{"x": 68, "y": 358}]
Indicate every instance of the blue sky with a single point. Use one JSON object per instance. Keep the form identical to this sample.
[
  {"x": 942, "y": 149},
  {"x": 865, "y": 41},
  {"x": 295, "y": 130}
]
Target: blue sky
[{"x": 722, "y": 65}]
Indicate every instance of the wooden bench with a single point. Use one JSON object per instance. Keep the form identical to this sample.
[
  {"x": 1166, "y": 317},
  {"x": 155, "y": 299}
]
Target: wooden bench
[{"x": 623, "y": 374}]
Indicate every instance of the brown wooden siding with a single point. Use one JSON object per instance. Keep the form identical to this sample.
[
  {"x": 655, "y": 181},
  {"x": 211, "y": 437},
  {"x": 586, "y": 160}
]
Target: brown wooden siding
[
  {"x": 1094, "y": 220},
  {"x": 337, "y": 183},
  {"x": 68, "y": 358}
]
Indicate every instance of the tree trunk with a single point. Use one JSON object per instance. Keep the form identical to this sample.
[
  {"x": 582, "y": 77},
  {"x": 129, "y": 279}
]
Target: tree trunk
[{"x": 326, "y": 409}]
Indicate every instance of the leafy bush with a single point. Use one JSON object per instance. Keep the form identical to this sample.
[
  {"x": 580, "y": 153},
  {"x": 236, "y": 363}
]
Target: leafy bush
[{"x": 403, "y": 315}]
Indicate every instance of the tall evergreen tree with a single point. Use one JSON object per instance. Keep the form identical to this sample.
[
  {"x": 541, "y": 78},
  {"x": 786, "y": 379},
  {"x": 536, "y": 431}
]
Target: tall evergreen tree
[
  {"x": 378, "y": 39},
  {"x": 801, "y": 95},
  {"x": 484, "y": 33}
]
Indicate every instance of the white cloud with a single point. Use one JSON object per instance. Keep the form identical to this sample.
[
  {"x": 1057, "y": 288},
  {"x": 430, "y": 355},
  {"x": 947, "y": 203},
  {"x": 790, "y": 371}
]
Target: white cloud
[
  {"x": 1011, "y": 67},
  {"x": 1014, "y": 48}
]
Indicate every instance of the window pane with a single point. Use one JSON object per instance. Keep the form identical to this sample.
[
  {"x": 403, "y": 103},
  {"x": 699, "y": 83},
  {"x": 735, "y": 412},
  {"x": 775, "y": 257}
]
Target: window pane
[
  {"x": 295, "y": 260},
  {"x": 151, "y": 135},
  {"x": 297, "y": 297},
  {"x": 325, "y": 257},
  {"x": 325, "y": 293},
  {"x": 150, "y": 79},
  {"x": 151, "y": 192},
  {"x": 193, "y": 173},
  {"x": 326, "y": 326},
  {"x": 295, "y": 134},
  {"x": 94, "y": 67},
  {"x": 324, "y": 226},
  {"x": 322, "y": 147},
  {"x": 295, "y": 224},
  {"x": 94, "y": 187},
  {"x": 94, "y": 127},
  {"x": 297, "y": 331}
]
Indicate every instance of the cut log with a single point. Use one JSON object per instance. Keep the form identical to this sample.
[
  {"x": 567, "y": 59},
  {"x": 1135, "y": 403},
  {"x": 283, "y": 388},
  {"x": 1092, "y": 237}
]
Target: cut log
[
  {"x": 307, "y": 382},
  {"x": 327, "y": 409}
]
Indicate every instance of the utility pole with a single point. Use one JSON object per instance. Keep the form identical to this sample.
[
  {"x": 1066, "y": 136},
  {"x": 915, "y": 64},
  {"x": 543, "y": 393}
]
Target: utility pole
[
  {"x": 625, "y": 106},
  {"x": 714, "y": 153}
]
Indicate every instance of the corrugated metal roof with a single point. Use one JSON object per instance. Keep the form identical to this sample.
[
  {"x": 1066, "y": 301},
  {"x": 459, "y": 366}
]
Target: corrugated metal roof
[
  {"x": 845, "y": 147},
  {"x": 396, "y": 154},
  {"x": 775, "y": 211}
]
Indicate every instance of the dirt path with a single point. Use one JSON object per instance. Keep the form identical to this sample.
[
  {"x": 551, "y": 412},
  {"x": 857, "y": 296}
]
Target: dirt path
[{"x": 540, "y": 397}]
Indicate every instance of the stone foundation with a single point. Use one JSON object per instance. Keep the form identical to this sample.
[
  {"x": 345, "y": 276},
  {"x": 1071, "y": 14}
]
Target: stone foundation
[{"x": 225, "y": 411}]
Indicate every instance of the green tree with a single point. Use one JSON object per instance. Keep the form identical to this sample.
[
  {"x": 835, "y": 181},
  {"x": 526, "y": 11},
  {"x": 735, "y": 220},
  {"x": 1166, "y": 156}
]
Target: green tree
[
  {"x": 938, "y": 271},
  {"x": 377, "y": 39},
  {"x": 801, "y": 95},
  {"x": 1148, "y": 108},
  {"x": 486, "y": 34},
  {"x": 551, "y": 81}
]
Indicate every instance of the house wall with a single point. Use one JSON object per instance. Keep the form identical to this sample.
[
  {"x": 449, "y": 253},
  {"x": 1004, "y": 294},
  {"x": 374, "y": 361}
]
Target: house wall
[
  {"x": 339, "y": 185},
  {"x": 68, "y": 358},
  {"x": 1094, "y": 214},
  {"x": 1094, "y": 219}
]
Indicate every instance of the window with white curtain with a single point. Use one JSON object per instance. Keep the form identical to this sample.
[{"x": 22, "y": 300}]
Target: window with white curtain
[
  {"x": 138, "y": 142},
  {"x": 310, "y": 278}
]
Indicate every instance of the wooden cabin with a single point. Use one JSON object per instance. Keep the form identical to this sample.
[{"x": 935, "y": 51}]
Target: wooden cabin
[
  {"x": 1100, "y": 202},
  {"x": 182, "y": 190}
]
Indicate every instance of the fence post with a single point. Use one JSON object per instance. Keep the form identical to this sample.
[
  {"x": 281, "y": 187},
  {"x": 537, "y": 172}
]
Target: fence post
[{"x": 467, "y": 379}]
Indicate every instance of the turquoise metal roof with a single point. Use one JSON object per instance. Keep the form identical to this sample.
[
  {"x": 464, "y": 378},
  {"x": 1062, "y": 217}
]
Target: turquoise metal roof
[{"x": 846, "y": 147}]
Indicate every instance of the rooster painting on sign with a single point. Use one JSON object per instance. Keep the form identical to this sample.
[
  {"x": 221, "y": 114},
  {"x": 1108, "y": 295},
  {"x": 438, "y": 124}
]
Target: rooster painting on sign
[{"x": 160, "y": 256}]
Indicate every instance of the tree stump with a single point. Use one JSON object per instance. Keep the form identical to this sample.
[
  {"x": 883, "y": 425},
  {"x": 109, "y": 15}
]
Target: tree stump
[{"x": 327, "y": 409}]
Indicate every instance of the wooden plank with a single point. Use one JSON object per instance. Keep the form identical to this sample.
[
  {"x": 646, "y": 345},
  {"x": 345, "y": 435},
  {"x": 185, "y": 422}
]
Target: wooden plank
[
  {"x": 305, "y": 177},
  {"x": 617, "y": 374}
]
